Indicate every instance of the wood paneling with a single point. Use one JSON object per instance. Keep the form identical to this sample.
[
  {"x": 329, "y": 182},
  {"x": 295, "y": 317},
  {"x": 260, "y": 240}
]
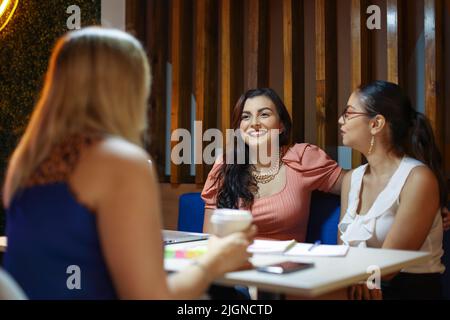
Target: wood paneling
[
  {"x": 434, "y": 85},
  {"x": 259, "y": 44},
  {"x": 326, "y": 75},
  {"x": 393, "y": 8},
  {"x": 360, "y": 66},
  {"x": 206, "y": 87},
  {"x": 157, "y": 43},
  {"x": 231, "y": 67},
  {"x": 181, "y": 58},
  {"x": 216, "y": 72},
  {"x": 294, "y": 70}
]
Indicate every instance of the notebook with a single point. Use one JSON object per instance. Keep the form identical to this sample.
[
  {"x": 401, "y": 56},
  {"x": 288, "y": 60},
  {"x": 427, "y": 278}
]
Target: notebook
[{"x": 293, "y": 248}]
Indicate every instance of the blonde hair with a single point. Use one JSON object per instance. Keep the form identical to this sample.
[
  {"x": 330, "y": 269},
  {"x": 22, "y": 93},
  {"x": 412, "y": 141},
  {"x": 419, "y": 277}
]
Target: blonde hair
[{"x": 98, "y": 80}]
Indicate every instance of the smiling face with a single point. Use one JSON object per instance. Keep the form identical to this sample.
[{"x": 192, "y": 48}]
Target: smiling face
[
  {"x": 355, "y": 125},
  {"x": 259, "y": 116}
]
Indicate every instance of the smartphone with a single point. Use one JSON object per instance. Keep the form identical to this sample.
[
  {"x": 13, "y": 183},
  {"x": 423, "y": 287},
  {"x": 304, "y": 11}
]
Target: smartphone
[{"x": 285, "y": 267}]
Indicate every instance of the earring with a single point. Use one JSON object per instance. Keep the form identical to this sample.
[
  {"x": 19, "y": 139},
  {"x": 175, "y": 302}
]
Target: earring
[{"x": 372, "y": 144}]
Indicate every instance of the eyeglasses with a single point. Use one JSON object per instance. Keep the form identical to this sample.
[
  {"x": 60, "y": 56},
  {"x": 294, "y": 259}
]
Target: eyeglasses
[{"x": 346, "y": 114}]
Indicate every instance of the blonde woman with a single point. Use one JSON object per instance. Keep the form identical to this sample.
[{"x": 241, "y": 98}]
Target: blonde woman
[{"x": 83, "y": 208}]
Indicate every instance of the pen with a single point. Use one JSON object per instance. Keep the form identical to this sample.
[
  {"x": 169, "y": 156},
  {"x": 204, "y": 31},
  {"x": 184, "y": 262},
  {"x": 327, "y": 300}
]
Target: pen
[
  {"x": 290, "y": 245},
  {"x": 316, "y": 244}
]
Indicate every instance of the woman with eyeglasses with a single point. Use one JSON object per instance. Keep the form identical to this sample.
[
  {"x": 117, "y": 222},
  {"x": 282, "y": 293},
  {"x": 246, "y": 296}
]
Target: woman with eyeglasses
[
  {"x": 279, "y": 192},
  {"x": 394, "y": 201}
]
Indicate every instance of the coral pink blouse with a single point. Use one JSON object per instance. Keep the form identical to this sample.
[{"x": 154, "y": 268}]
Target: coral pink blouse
[{"x": 284, "y": 216}]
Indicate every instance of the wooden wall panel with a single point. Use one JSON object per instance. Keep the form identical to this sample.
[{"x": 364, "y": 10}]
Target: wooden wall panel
[
  {"x": 447, "y": 90},
  {"x": 181, "y": 58},
  {"x": 216, "y": 73},
  {"x": 259, "y": 44},
  {"x": 360, "y": 58},
  {"x": 231, "y": 68},
  {"x": 157, "y": 44},
  {"x": 294, "y": 70},
  {"x": 434, "y": 85},
  {"x": 326, "y": 76},
  {"x": 393, "y": 9},
  {"x": 206, "y": 87}
]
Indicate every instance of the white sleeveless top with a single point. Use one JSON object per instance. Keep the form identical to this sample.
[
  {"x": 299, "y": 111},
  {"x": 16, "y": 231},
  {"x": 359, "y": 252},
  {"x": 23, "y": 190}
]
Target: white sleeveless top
[{"x": 371, "y": 230}]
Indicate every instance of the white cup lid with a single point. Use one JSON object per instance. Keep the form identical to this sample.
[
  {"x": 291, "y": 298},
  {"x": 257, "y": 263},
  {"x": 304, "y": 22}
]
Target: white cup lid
[{"x": 231, "y": 214}]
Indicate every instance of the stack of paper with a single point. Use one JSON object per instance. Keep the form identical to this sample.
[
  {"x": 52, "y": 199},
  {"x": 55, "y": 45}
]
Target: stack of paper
[
  {"x": 271, "y": 246},
  {"x": 302, "y": 249},
  {"x": 293, "y": 248}
]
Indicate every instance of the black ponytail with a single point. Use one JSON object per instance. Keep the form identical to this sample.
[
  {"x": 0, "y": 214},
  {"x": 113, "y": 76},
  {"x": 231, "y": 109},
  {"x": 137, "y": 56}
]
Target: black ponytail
[
  {"x": 411, "y": 131},
  {"x": 423, "y": 148}
]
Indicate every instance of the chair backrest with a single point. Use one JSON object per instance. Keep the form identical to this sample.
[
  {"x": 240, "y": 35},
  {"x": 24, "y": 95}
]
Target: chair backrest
[
  {"x": 9, "y": 290},
  {"x": 191, "y": 211},
  {"x": 323, "y": 218},
  {"x": 446, "y": 262}
]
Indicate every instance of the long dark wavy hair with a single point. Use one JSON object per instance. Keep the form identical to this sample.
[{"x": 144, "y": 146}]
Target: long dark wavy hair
[
  {"x": 235, "y": 181},
  {"x": 410, "y": 131}
]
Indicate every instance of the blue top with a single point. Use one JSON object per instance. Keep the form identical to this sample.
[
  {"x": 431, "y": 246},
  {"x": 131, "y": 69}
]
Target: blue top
[{"x": 53, "y": 246}]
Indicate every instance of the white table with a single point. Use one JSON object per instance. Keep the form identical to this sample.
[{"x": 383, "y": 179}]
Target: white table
[{"x": 329, "y": 275}]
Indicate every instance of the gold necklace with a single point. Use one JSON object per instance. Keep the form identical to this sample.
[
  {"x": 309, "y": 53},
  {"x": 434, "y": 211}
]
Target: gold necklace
[{"x": 269, "y": 175}]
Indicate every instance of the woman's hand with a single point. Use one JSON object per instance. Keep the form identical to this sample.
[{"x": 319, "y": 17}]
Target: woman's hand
[
  {"x": 445, "y": 218},
  {"x": 228, "y": 253},
  {"x": 362, "y": 292}
]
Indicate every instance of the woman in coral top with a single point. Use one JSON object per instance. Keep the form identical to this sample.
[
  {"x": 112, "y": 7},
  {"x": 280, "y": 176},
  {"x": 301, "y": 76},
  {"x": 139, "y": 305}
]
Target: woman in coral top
[{"x": 278, "y": 193}]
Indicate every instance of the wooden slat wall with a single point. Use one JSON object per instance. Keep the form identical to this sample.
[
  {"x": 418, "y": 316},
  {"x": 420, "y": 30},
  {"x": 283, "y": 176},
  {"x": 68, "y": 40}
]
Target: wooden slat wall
[
  {"x": 231, "y": 68},
  {"x": 326, "y": 75},
  {"x": 359, "y": 40},
  {"x": 434, "y": 103},
  {"x": 205, "y": 74},
  {"x": 216, "y": 72},
  {"x": 393, "y": 8},
  {"x": 447, "y": 90},
  {"x": 258, "y": 53},
  {"x": 181, "y": 58},
  {"x": 157, "y": 12},
  {"x": 293, "y": 69}
]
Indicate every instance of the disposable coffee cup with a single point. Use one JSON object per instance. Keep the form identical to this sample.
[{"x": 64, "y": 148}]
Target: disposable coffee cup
[{"x": 227, "y": 221}]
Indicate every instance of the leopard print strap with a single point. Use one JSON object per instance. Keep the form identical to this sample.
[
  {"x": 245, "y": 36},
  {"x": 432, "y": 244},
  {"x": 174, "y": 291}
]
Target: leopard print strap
[{"x": 62, "y": 160}]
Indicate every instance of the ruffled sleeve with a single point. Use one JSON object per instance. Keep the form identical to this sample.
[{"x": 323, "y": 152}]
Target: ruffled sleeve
[
  {"x": 209, "y": 193},
  {"x": 318, "y": 170}
]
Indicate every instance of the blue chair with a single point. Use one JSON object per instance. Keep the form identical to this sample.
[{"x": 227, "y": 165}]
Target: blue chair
[
  {"x": 323, "y": 221},
  {"x": 324, "y": 218},
  {"x": 191, "y": 211},
  {"x": 446, "y": 262}
]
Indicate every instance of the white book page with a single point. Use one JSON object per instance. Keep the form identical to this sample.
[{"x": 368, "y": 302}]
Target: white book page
[{"x": 303, "y": 249}]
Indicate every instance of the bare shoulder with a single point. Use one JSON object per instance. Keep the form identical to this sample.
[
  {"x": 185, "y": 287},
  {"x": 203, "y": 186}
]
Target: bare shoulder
[
  {"x": 115, "y": 155},
  {"x": 109, "y": 165},
  {"x": 420, "y": 184},
  {"x": 119, "y": 150},
  {"x": 421, "y": 177}
]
